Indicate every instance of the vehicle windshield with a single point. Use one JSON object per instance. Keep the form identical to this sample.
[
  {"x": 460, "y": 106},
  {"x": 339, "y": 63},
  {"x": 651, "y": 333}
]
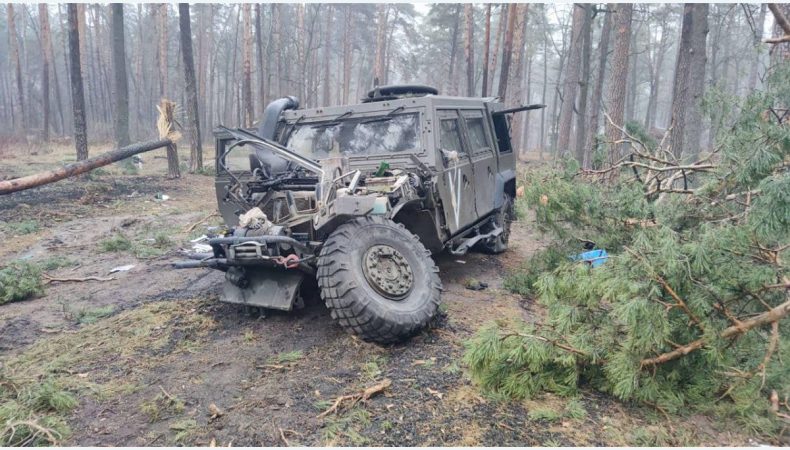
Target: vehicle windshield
[{"x": 359, "y": 136}]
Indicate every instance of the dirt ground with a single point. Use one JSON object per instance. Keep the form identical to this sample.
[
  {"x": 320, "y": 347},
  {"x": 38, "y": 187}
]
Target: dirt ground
[{"x": 155, "y": 359}]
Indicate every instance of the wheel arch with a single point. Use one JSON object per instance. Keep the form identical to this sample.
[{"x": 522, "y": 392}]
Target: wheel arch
[{"x": 505, "y": 184}]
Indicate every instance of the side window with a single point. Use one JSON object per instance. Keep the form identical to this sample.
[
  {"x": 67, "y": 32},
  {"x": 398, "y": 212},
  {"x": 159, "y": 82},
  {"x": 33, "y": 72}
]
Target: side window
[
  {"x": 502, "y": 131},
  {"x": 478, "y": 139},
  {"x": 450, "y": 135}
]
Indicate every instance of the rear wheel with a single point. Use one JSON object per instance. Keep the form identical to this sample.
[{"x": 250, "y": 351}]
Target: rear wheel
[
  {"x": 378, "y": 280},
  {"x": 504, "y": 216}
]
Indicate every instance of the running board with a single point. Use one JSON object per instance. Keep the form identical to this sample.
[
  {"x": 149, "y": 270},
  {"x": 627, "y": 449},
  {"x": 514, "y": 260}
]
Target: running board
[{"x": 466, "y": 244}]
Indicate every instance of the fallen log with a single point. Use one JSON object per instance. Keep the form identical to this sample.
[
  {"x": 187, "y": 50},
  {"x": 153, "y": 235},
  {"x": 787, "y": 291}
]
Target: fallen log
[{"x": 79, "y": 167}]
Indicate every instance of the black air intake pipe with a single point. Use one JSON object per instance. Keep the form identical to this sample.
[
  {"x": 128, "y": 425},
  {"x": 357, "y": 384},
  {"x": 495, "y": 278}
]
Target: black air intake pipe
[
  {"x": 267, "y": 130},
  {"x": 271, "y": 116}
]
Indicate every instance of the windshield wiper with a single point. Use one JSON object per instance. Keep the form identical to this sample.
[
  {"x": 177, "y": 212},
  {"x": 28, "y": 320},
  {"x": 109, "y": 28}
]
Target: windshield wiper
[
  {"x": 389, "y": 116},
  {"x": 333, "y": 122}
]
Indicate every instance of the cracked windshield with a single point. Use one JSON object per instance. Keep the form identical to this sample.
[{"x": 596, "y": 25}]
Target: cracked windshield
[{"x": 363, "y": 136}]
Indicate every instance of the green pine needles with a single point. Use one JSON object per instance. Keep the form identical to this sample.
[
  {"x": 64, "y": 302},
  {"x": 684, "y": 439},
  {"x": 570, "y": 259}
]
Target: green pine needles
[{"x": 689, "y": 310}]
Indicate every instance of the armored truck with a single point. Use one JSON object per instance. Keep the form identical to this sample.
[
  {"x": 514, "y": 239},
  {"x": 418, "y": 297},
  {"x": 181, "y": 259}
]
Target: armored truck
[{"x": 359, "y": 197}]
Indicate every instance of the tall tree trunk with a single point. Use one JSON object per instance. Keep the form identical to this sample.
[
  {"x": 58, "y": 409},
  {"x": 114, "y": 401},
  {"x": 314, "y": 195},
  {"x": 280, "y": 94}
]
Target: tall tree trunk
[
  {"x": 327, "y": 100},
  {"x": 259, "y": 54},
  {"x": 500, "y": 31},
  {"x": 246, "y": 80},
  {"x": 77, "y": 95},
  {"x": 347, "y": 53},
  {"x": 544, "y": 86},
  {"x": 486, "y": 51},
  {"x": 193, "y": 119},
  {"x": 13, "y": 42},
  {"x": 615, "y": 98},
  {"x": 687, "y": 91},
  {"x": 595, "y": 104},
  {"x": 46, "y": 50},
  {"x": 655, "y": 81},
  {"x": 451, "y": 72},
  {"x": 381, "y": 28},
  {"x": 756, "y": 41},
  {"x": 584, "y": 83},
  {"x": 571, "y": 83},
  {"x": 162, "y": 29},
  {"x": 121, "y": 84},
  {"x": 469, "y": 49},
  {"x": 514, "y": 92},
  {"x": 507, "y": 50}
]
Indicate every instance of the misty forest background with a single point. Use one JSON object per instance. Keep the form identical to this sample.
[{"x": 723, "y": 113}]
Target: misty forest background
[{"x": 641, "y": 64}]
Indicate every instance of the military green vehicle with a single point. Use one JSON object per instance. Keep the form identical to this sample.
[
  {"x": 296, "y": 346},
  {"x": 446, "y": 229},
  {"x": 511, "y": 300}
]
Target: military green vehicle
[{"x": 359, "y": 197}]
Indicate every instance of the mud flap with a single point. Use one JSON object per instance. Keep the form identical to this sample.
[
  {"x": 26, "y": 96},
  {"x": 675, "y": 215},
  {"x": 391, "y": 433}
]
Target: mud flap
[{"x": 266, "y": 288}]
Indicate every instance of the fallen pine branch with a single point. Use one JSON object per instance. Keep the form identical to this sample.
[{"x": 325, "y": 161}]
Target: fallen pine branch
[
  {"x": 192, "y": 227},
  {"x": 765, "y": 318},
  {"x": 353, "y": 399},
  {"x": 76, "y": 279},
  {"x": 79, "y": 167}
]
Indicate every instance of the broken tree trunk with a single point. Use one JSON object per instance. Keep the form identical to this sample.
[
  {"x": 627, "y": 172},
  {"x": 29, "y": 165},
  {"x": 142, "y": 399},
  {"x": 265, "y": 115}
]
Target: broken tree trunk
[{"x": 70, "y": 170}]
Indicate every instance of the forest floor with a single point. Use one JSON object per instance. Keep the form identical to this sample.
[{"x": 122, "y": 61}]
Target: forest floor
[{"x": 148, "y": 352}]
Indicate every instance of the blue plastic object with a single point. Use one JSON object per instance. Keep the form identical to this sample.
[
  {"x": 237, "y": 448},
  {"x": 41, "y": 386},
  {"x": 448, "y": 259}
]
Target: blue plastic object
[{"x": 594, "y": 257}]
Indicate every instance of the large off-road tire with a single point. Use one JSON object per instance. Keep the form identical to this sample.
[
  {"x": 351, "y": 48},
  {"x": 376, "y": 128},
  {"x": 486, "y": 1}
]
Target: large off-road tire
[
  {"x": 504, "y": 216},
  {"x": 378, "y": 280}
]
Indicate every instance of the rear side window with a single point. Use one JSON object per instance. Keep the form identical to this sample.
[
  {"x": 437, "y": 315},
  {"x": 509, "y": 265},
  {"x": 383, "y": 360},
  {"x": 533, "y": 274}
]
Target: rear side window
[
  {"x": 450, "y": 136},
  {"x": 502, "y": 131},
  {"x": 477, "y": 133}
]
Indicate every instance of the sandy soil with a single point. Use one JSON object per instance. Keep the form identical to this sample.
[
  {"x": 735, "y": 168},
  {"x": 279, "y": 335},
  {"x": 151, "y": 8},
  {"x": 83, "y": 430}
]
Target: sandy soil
[{"x": 147, "y": 373}]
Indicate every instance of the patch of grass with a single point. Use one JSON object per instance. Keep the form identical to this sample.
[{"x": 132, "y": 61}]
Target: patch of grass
[
  {"x": 128, "y": 167},
  {"x": 22, "y": 227},
  {"x": 88, "y": 316},
  {"x": 547, "y": 414},
  {"x": 452, "y": 369},
  {"x": 249, "y": 335},
  {"x": 574, "y": 409},
  {"x": 30, "y": 415},
  {"x": 117, "y": 243},
  {"x": 652, "y": 436},
  {"x": 161, "y": 406},
  {"x": 162, "y": 240},
  {"x": 551, "y": 443},
  {"x": 347, "y": 427},
  {"x": 287, "y": 357},
  {"x": 183, "y": 428},
  {"x": 208, "y": 171},
  {"x": 373, "y": 368},
  {"x": 97, "y": 173},
  {"x": 19, "y": 281},
  {"x": 53, "y": 263}
]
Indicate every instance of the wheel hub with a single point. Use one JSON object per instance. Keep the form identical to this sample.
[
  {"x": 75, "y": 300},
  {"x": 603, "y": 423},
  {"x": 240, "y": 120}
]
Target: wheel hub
[{"x": 388, "y": 272}]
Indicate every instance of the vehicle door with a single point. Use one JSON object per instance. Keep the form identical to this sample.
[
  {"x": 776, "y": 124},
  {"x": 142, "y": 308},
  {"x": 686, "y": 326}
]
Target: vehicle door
[
  {"x": 457, "y": 187},
  {"x": 484, "y": 162}
]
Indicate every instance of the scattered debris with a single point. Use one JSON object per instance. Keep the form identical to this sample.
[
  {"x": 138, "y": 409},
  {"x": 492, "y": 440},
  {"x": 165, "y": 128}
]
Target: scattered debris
[
  {"x": 63, "y": 280},
  {"x": 353, "y": 399},
  {"x": 215, "y": 412},
  {"x": 475, "y": 285},
  {"x": 435, "y": 393},
  {"x": 460, "y": 261},
  {"x": 202, "y": 248},
  {"x": 161, "y": 196},
  {"x": 199, "y": 239},
  {"x": 594, "y": 257},
  {"x": 125, "y": 268},
  {"x": 192, "y": 227}
]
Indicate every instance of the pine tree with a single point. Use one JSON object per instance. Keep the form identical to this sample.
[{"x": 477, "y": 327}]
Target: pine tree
[{"x": 688, "y": 310}]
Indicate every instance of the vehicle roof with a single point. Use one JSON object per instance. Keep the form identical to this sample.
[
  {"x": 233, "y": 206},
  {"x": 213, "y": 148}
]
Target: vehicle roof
[{"x": 385, "y": 106}]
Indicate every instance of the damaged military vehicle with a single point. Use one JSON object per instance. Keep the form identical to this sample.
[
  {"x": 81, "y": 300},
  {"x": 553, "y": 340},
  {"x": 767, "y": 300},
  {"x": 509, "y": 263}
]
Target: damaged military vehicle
[{"x": 359, "y": 197}]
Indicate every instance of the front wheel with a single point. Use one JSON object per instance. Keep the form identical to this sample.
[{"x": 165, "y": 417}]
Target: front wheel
[{"x": 378, "y": 280}]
